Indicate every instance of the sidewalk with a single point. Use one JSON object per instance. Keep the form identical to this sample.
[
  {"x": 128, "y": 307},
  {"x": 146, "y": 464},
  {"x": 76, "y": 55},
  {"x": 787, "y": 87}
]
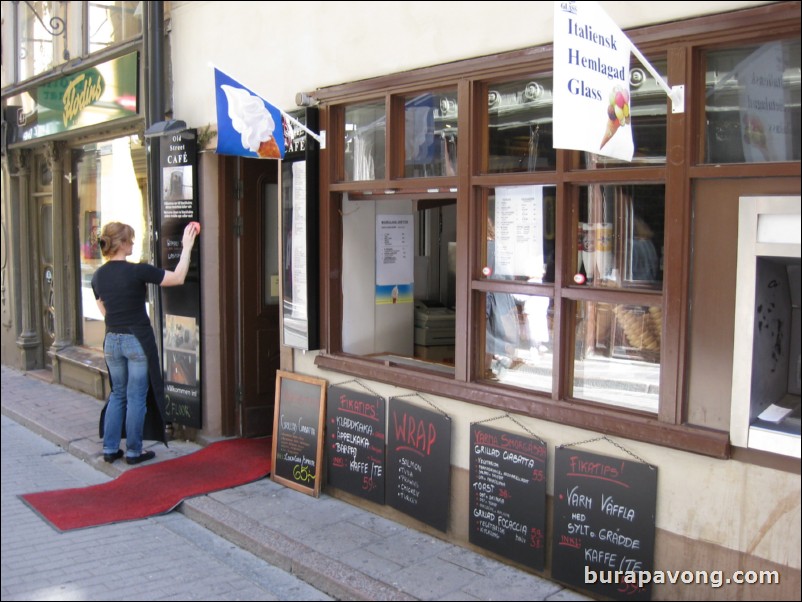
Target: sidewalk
[{"x": 341, "y": 549}]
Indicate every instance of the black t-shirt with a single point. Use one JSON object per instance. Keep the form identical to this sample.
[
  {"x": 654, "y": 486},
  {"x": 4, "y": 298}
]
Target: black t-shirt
[{"x": 122, "y": 286}]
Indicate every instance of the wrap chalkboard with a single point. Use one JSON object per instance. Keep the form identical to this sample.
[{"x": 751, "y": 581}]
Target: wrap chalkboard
[
  {"x": 508, "y": 495},
  {"x": 604, "y": 513},
  {"x": 298, "y": 431},
  {"x": 419, "y": 463},
  {"x": 355, "y": 443}
]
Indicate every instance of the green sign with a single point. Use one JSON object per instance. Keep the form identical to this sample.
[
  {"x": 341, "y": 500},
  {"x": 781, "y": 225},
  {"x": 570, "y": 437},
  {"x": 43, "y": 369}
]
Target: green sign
[{"x": 96, "y": 95}]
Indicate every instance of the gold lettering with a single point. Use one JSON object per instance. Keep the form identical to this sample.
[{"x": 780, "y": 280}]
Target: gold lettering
[{"x": 77, "y": 96}]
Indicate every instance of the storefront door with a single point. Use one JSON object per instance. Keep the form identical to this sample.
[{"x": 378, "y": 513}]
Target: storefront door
[
  {"x": 43, "y": 213},
  {"x": 259, "y": 298}
]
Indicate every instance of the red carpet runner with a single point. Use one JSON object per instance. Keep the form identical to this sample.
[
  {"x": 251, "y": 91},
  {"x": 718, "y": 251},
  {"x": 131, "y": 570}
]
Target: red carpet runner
[{"x": 156, "y": 487}]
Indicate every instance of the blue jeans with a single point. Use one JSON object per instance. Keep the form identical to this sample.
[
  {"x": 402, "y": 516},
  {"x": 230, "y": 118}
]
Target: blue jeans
[{"x": 128, "y": 369}]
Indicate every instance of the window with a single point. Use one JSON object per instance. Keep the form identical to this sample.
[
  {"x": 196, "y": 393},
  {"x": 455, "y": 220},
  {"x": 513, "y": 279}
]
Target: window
[
  {"x": 41, "y": 37},
  {"x": 548, "y": 282},
  {"x": 113, "y": 22},
  {"x": 752, "y": 103},
  {"x": 109, "y": 182}
]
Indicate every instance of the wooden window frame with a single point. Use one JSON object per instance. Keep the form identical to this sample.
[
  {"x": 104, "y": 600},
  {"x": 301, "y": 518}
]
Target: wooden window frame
[{"x": 683, "y": 43}]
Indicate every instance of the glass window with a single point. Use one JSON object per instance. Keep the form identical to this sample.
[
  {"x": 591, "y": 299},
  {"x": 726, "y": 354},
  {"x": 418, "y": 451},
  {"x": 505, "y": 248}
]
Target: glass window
[
  {"x": 752, "y": 103},
  {"x": 113, "y": 22},
  {"x": 518, "y": 340},
  {"x": 648, "y": 102},
  {"x": 430, "y": 135},
  {"x": 620, "y": 236},
  {"x": 520, "y": 126},
  {"x": 42, "y": 37},
  {"x": 109, "y": 181},
  {"x": 365, "y": 131},
  {"x": 520, "y": 234},
  {"x": 617, "y": 359},
  {"x": 399, "y": 281}
]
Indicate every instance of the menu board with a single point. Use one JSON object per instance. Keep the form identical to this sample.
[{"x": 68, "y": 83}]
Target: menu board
[
  {"x": 419, "y": 462},
  {"x": 604, "y": 515},
  {"x": 508, "y": 495},
  {"x": 298, "y": 431},
  {"x": 355, "y": 443}
]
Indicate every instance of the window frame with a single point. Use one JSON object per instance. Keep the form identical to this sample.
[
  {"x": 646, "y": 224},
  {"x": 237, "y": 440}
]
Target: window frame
[{"x": 682, "y": 43}]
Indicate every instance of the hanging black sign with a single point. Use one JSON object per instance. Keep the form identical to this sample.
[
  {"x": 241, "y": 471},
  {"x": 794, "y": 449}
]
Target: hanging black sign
[
  {"x": 419, "y": 462},
  {"x": 508, "y": 495},
  {"x": 181, "y": 316},
  {"x": 355, "y": 443},
  {"x": 604, "y": 516}
]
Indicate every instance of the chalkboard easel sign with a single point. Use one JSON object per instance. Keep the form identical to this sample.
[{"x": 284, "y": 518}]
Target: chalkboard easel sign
[
  {"x": 604, "y": 521},
  {"x": 298, "y": 426}
]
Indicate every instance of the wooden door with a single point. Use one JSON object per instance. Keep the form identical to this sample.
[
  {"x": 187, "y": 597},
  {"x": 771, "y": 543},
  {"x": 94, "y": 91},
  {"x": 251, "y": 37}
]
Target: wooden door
[{"x": 259, "y": 297}]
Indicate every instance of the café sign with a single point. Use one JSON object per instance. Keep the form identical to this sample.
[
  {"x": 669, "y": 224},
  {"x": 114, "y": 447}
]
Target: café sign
[{"x": 93, "y": 96}]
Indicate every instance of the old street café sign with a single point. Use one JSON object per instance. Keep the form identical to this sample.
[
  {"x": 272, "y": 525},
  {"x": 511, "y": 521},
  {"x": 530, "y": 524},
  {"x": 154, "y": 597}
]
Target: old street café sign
[{"x": 96, "y": 95}]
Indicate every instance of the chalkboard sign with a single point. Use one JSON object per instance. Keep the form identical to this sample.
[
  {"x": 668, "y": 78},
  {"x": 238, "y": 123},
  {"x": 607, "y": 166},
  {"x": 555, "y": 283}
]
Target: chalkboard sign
[
  {"x": 419, "y": 463},
  {"x": 508, "y": 495},
  {"x": 298, "y": 431},
  {"x": 355, "y": 443},
  {"x": 604, "y": 513}
]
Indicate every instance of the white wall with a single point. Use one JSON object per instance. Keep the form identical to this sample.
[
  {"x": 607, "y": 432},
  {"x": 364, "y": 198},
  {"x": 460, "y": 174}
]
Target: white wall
[{"x": 280, "y": 48}]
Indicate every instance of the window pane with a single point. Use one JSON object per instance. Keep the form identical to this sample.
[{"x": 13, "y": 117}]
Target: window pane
[
  {"x": 109, "y": 181},
  {"x": 648, "y": 102},
  {"x": 520, "y": 126},
  {"x": 620, "y": 236},
  {"x": 399, "y": 281},
  {"x": 113, "y": 22},
  {"x": 520, "y": 234},
  {"x": 618, "y": 354},
  {"x": 365, "y": 130},
  {"x": 42, "y": 43},
  {"x": 752, "y": 104},
  {"x": 519, "y": 332},
  {"x": 430, "y": 135}
]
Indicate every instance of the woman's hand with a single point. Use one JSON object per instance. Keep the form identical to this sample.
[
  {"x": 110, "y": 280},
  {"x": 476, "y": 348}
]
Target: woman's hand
[{"x": 190, "y": 233}]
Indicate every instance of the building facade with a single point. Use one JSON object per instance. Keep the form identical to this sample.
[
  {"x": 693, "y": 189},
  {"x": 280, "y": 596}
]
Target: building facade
[{"x": 615, "y": 312}]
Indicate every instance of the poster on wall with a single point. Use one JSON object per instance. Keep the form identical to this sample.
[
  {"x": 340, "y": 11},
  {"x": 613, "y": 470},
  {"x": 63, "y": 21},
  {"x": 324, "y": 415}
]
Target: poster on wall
[
  {"x": 394, "y": 259},
  {"x": 604, "y": 522},
  {"x": 181, "y": 324}
]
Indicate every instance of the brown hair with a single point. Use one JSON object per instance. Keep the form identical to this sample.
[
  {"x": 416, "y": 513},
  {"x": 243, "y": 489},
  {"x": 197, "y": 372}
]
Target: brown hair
[{"x": 113, "y": 235}]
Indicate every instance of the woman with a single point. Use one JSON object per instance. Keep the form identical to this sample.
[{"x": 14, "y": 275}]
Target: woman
[{"x": 120, "y": 288}]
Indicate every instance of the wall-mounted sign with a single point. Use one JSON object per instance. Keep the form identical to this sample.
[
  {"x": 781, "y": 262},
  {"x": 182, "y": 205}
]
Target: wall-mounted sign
[
  {"x": 96, "y": 95},
  {"x": 508, "y": 495},
  {"x": 604, "y": 517},
  {"x": 355, "y": 443},
  {"x": 419, "y": 462},
  {"x": 181, "y": 311},
  {"x": 299, "y": 238}
]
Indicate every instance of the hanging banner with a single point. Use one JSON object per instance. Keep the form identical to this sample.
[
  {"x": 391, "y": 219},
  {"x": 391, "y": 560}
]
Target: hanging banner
[
  {"x": 591, "y": 82},
  {"x": 247, "y": 125}
]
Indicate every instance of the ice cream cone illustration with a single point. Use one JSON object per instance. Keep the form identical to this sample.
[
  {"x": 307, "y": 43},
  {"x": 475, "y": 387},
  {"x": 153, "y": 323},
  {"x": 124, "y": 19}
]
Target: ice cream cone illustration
[
  {"x": 617, "y": 113},
  {"x": 253, "y": 121},
  {"x": 755, "y": 134}
]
